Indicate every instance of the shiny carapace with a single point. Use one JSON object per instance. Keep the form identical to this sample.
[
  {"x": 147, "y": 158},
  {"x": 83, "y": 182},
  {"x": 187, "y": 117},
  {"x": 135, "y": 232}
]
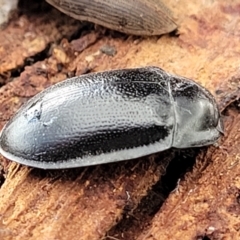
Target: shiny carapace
[{"x": 110, "y": 116}]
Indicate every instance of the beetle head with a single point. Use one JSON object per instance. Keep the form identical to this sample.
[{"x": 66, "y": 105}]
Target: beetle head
[{"x": 198, "y": 121}]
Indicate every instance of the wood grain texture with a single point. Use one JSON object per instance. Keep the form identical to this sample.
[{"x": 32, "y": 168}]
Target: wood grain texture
[
  {"x": 206, "y": 203},
  {"x": 30, "y": 34},
  {"x": 75, "y": 204},
  {"x": 87, "y": 203}
]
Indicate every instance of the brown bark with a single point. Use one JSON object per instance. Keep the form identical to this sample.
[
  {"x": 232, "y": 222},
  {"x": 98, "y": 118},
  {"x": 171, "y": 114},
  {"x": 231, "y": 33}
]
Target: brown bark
[{"x": 119, "y": 201}]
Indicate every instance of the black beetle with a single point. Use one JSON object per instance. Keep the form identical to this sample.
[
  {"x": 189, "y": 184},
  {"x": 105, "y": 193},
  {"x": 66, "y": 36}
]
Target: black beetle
[{"x": 110, "y": 116}]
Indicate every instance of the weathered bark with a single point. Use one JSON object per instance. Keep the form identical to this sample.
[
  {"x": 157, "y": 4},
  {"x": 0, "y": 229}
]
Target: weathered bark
[{"x": 97, "y": 202}]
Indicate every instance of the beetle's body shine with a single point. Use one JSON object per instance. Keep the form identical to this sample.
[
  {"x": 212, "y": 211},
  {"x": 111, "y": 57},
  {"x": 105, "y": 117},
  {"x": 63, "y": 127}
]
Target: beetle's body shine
[{"x": 110, "y": 116}]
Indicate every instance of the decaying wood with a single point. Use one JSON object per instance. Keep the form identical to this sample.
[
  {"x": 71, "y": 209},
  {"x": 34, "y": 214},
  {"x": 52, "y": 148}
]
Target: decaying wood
[
  {"x": 206, "y": 204},
  {"x": 97, "y": 202}
]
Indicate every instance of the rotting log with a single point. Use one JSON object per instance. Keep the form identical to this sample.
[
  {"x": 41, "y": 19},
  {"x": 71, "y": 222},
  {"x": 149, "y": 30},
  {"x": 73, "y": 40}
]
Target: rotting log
[{"x": 97, "y": 202}]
